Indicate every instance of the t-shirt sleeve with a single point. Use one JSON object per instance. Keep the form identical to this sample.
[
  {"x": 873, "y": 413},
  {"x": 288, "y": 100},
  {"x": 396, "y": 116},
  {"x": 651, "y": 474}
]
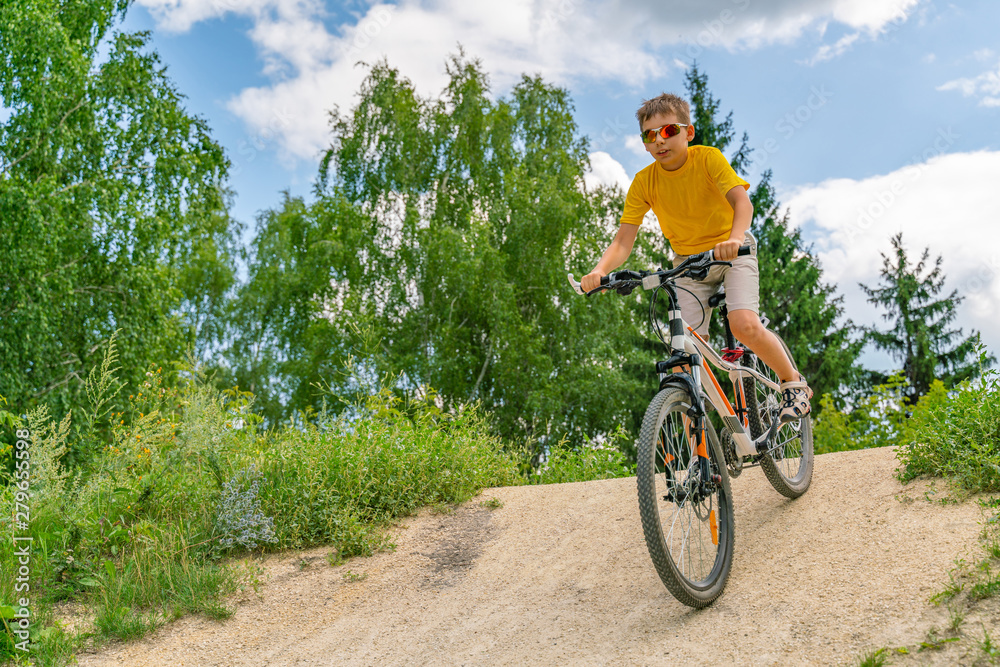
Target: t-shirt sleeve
[
  {"x": 636, "y": 202},
  {"x": 722, "y": 173}
]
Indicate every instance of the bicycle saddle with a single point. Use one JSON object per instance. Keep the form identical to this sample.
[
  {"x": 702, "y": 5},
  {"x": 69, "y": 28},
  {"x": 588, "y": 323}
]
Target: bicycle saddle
[{"x": 717, "y": 298}]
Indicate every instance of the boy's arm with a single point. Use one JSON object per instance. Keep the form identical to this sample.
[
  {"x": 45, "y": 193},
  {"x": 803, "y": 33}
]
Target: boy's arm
[
  {"x": 614, "y": 256},
  {"x": 742, "y": 216}
]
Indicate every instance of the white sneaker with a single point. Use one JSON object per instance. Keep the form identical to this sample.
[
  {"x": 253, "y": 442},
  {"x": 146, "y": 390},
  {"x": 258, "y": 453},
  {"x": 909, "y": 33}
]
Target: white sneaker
[{"x": 796, "y": 395}]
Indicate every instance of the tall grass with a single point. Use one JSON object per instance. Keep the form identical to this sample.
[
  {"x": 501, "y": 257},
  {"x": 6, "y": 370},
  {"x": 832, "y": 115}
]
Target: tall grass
[
  {"x": 332, "y": 482},
  {"x": 136, "y": 508},
  {"x": 599, "y": 460}
]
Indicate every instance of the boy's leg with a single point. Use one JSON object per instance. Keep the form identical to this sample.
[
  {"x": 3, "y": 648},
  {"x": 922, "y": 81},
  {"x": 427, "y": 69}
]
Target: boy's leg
[
  {"x": 747, "y": 328},
  {"x": 743, "y": 299}
]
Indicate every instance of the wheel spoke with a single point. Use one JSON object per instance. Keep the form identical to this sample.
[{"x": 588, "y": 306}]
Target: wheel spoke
[
  {"x": 675, "y": 516},
  {"x": 788, "y": 462}
]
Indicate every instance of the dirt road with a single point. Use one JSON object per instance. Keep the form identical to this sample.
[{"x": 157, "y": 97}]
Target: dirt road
[{"x": 560, "y": 574}]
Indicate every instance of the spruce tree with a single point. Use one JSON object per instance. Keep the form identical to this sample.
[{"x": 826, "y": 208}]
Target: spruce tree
[{"x": 922, "y": 335}]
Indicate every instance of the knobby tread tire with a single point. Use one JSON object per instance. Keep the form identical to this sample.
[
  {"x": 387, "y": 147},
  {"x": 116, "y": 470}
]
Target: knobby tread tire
[
  {"x": 790, "y": 488},
  {"x": 665, "y": 402}
]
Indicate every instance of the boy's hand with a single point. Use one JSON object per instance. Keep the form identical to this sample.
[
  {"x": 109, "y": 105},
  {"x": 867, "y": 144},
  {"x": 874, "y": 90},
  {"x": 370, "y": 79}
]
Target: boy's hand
[
  {"x": 726, "y": 251},
  {"x": 591, "y": 281}
]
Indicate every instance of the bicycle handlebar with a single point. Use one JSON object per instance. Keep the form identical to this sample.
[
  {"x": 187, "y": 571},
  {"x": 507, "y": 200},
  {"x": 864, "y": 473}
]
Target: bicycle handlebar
[{"x": 653, "y": 279}]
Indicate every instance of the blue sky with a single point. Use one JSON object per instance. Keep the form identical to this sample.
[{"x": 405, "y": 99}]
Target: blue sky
[{"x": 875, "y": 116}]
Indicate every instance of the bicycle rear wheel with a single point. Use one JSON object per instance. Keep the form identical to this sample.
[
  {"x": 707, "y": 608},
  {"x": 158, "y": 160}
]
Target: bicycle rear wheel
[
  {"x": 688, "y": 526},
  {"x": 788, "y": 463}
]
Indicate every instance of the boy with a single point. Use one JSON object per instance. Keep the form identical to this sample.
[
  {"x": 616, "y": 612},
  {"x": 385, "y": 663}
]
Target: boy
[{"x": 701, "y": 204}]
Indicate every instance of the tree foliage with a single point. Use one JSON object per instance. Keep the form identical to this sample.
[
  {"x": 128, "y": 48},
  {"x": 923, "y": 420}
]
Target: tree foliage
[
  {"x": 922, "y": 334},
  {"x": 443, "y": 230},
  {"x": 110, "y": 209},
  {"x": 437, "y": 247}
]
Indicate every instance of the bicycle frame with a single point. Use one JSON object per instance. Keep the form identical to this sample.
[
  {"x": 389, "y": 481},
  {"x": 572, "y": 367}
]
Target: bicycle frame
[{"x": 696, "y": 345}]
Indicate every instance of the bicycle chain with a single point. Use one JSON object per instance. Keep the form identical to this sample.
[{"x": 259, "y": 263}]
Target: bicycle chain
[{"x": 733, "y": 461}]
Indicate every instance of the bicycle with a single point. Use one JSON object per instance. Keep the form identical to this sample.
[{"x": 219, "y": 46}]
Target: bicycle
[{"x": 683, "y": 464}]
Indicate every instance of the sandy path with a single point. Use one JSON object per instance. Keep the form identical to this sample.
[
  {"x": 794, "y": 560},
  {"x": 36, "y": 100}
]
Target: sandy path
[{"x": 561, "y": 574}]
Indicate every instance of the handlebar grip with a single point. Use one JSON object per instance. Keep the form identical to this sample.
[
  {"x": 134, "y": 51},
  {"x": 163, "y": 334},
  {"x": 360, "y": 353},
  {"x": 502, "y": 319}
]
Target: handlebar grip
[
  {"x": 605, "y": 280},
  {"x": 710, "y": 255}
]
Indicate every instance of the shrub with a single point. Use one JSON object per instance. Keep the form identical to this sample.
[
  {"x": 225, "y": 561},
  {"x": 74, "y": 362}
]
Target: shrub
[
  {"x": 239, "y": 520},
  {"x": 121, "y": 506},
  {"x": 582, "y": 464},
  {"x": 333, "y": 482},
  {"x": 874, "y": 421},
  {"x": 956, "y": 436}
]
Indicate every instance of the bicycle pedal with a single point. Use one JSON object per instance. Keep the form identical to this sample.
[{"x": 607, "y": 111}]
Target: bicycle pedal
[{"x": 732, "y": 354}]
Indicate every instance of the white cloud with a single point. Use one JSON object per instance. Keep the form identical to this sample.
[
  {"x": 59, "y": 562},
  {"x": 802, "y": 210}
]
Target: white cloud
[
  {"x": 986, "y": 86},
  {"x": 180, "y": 15},
  {"x": 831, "y": 51},
  {"x": 605, "y": 170},
  {"x": 872, "y": 15},
  {"x": 313, "y": 69},
  {"x": 870, "y": 19},
  {"x": 747, "y": 24},
  {"x": 633, "y": 143},
  {"x": 944, "y": 203}
]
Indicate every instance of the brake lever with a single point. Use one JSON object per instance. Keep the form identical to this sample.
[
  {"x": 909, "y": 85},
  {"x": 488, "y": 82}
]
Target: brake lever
[{"x": 701, "y": 272}]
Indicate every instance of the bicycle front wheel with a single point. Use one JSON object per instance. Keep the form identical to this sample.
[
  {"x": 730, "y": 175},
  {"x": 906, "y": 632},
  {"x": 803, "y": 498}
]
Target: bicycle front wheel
[
  {"x": 687, "y": 521},
  {"x": 788, "y": 462}
]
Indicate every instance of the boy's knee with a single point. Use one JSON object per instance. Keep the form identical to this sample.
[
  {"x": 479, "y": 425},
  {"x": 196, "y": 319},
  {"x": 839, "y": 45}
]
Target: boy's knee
[{"x": 746, "y": 326}]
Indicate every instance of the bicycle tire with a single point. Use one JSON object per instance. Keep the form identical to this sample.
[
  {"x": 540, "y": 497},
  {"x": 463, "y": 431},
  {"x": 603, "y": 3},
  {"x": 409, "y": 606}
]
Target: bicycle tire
[
  {"x": 788, "y": 463},
  {"x": 705, "y": 524}
]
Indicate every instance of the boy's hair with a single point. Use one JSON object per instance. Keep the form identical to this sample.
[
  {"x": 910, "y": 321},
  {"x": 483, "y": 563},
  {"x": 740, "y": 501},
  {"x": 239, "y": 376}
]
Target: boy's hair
[{"x": 664, "y": 103}]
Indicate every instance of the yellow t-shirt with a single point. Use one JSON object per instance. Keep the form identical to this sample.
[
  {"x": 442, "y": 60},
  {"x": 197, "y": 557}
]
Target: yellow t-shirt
[{"x": 690, "y": 202}]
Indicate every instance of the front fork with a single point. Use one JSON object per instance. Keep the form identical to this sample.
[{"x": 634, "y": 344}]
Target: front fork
[{"x": 695, "y": 422}]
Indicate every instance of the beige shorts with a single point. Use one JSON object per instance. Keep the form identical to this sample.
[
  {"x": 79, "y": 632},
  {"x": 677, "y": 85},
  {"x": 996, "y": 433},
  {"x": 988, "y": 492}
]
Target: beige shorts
[{"x": 742, "y": 283}]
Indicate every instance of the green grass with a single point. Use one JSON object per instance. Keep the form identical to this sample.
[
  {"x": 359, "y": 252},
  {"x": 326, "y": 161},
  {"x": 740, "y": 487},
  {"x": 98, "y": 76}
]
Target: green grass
[
  {"x": 990, "y": 650},
  {"x": 564, "y": 464},
  {"x": 988, "y": 585},
  {"x": 147, "y": 499},
  {"x": 338, "y": 482},
  {"x": 876, "y": 657},
  {"x": 492, "y": 503},
  {"x": 351, "y": 577},
  {"x": 956, "y": 616}
]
